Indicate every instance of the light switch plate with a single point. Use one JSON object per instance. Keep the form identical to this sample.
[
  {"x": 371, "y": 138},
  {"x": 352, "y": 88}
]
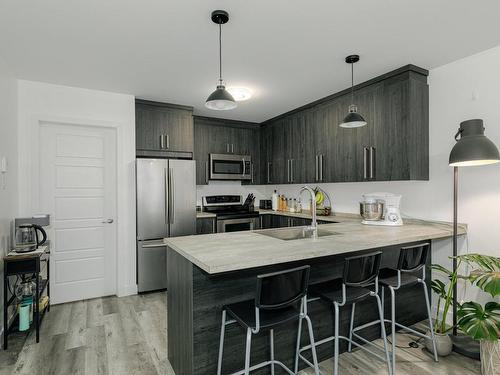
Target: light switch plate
[{"x": 3, "y": 165}]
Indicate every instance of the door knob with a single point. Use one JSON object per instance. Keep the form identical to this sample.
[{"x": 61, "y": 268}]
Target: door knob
[{"x": 108, "y": 221}]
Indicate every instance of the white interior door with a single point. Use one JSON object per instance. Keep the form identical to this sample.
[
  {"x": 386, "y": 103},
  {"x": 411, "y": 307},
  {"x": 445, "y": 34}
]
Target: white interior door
[{"x": 77, "y": 186}]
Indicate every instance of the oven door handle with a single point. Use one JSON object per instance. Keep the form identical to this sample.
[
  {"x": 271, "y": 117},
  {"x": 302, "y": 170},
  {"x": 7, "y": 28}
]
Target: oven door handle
[{"x": 253, "y": 221}]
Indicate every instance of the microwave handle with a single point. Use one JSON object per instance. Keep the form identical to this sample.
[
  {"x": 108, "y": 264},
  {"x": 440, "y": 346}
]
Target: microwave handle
[{"x": 244, "y": 167}]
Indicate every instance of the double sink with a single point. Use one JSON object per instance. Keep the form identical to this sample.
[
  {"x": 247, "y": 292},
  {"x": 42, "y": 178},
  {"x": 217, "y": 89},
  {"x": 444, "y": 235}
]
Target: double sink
[{"x": 295, "y": 233}]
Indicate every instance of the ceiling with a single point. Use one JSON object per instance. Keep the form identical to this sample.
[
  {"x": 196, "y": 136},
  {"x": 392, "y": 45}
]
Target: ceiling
[{"x": 288, "y": 52}]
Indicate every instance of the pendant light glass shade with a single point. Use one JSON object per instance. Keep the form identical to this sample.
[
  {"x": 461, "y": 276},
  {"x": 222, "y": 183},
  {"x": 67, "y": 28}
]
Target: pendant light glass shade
[
  {"x": 473, "y": 147},
  {"x": 220, "y": 99},
  {"x": 353, "y": 118}
]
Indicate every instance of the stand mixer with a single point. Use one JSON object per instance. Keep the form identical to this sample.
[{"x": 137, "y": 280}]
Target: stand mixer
[{"x": 381, "y": 209}]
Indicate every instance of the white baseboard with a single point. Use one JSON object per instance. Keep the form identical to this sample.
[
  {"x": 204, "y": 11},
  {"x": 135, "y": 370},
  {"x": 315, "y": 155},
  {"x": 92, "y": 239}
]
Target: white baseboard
[{"x": 127, "y": 290}]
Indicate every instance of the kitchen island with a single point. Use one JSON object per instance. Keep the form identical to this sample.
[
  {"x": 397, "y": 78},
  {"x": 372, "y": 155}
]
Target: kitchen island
[{"x": 206, "y": 272}]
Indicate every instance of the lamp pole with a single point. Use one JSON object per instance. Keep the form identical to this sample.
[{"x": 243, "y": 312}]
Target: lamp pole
[{"x": 455, "y": 247}]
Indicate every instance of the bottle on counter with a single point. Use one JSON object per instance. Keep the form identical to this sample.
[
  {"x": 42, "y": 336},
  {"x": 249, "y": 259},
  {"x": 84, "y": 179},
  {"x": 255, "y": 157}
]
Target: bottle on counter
[
  {"x": 298, "y": 208},
  {"x": 274, "y": 201}
]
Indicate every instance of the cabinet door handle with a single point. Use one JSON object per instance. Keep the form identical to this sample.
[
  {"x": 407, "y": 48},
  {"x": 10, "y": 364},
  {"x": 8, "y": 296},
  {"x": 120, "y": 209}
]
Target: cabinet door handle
[
  {"x": 206, "y": 172},
  {"x": 288, "y": 170},
  {"x": 168, "y": 141},
  {"x": 232, "y": 148},
  {"x": 268, "y": 172},
  {"x": 321, "y": 167},
  {"x": 291, "y": 170},
  {"x": 317, "y": 168},
  {"x": 365, "y": 166},
  {"x": 372, "y": 162},
  {"x": 251, "y": 171},
  {"x": 162, "y": 141},
  {"x": 227, "y": 148}
]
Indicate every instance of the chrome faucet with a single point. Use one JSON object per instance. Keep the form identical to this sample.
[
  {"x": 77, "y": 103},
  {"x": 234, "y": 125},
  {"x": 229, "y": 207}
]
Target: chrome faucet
[{"x": 314, "y": 224}]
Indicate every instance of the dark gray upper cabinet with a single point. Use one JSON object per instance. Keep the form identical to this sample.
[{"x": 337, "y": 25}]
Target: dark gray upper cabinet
[
  {"x": 220, "y": 136},
  {"x": 163, "y": 129},
  {"x": 307, "y": 145}
]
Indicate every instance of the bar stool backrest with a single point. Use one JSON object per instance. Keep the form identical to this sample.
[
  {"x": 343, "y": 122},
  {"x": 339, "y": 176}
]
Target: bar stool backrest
[
  {"x": 361, "y": 270},
  {"x": 413, "y": 258},
  {"x": 282, "y": 289}
]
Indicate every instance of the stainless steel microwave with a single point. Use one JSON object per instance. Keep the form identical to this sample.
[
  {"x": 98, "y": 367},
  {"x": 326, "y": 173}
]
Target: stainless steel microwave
[{"x": 230, "y": 167}]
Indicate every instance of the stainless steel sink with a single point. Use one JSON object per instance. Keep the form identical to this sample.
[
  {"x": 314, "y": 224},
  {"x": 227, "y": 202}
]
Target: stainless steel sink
[{"x": 296, "y": 233}]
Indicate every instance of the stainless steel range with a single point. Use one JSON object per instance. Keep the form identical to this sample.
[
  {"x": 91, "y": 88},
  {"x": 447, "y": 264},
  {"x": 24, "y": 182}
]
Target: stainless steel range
[{"x": 232, "y": 213}]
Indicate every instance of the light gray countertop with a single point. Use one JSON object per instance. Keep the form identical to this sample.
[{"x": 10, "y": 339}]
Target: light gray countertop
[{"x": 225, "y": 252}]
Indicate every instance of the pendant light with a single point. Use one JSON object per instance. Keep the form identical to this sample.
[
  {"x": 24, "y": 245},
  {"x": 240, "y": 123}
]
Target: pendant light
[
  {"x": 220, "y": 99},
  {"x": 353, "y": 118}
]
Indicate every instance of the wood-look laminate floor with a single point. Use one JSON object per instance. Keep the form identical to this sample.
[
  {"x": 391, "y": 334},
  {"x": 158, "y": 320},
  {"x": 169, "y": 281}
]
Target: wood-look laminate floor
[{"x": 127, "y": 335}]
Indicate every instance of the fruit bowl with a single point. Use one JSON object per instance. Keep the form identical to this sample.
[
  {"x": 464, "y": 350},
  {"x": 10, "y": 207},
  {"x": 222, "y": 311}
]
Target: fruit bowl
[{"x": 323, "y": 202}]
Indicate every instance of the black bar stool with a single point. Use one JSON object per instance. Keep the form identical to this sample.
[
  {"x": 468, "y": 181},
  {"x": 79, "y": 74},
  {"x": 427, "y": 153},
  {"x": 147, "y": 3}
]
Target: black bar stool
[
  {"x": 359, "y": 282},
  {"x": 281, "y": 297},
  {"x": 411, "y": 260}
]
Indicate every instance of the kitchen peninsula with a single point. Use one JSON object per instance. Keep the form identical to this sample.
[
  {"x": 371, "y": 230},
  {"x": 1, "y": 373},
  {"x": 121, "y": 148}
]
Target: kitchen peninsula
[{"x": 206, "y": 272}]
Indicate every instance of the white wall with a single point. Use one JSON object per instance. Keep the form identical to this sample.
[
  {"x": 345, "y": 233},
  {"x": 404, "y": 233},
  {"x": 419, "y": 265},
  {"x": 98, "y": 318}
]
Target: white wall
[
  {"x": 465, "y": 89},
  {"x": 37, "y": 101},
  {"x": 8, "y": 149}
]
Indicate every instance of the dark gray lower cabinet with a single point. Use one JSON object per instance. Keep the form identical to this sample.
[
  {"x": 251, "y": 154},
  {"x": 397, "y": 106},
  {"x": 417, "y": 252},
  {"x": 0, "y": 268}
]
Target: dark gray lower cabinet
[{"x": 206, "y": 225}]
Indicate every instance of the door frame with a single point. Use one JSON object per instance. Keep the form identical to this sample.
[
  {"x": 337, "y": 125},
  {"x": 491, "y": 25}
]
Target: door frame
[{"x": 125, "y": 192}]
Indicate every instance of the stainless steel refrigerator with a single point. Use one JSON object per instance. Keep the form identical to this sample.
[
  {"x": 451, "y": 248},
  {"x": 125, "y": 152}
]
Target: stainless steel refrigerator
[{"x": 166, "y": 207}]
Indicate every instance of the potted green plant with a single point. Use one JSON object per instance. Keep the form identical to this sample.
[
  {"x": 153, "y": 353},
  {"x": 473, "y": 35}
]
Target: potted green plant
[
  {"x": 483, "y": 322},
  {"x": 444, "y": 292},
  {"x": 480, "y": 322}
]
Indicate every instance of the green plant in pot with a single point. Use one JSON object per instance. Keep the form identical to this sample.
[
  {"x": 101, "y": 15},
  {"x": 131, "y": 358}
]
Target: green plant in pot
[
  {"x": 480, "y": 322},
  {"x": 444, "y": 293},
  {"x": 483, "y": 322}
]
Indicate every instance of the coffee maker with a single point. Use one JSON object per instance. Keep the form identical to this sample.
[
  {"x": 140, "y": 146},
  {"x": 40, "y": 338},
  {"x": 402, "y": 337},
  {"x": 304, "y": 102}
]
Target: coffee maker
[{"x": 28, "y": 233}]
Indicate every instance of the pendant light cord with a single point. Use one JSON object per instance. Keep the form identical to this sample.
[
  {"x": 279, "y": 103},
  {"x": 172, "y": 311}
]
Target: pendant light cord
[
  {"x": 352, "y": 83},
  {"x": 220, "y": 53}
]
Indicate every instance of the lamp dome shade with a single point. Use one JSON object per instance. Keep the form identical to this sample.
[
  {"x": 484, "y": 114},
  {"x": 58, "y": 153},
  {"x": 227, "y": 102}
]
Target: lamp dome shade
[
  {"x": 353, "y": 119},
  {"x": 220, "y": 99},
  {"x": 473, "y": 148}
]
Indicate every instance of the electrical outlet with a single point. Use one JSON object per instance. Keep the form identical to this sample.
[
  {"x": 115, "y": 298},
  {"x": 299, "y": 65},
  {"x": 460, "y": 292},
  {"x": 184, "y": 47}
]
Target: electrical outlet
[
  {"x": 3, "y": 171},
  {"x": 3, "y": 165}
]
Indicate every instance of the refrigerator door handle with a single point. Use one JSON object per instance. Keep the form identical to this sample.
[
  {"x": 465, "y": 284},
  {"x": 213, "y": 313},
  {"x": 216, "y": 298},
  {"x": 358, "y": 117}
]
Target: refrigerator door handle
[
  {"x": 171, "y": 195},
  {"x": 167, "y": 202}
]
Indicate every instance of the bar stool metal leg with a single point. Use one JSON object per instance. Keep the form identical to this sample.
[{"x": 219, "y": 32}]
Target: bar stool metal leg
[
  {"x": 336, "y": 340},
  {"x": 221, "y": 343},
  {"x": 390, "y": 366},
  {"x": 313, "y": 345},
  {"x": 431, "y": 326},
  {"x": 271, "y": 344},
  {"x": 351, "y": 327},
  {"x": 297, "y": 348},
  {"x": 393, "y": 327},
  {"x": 247, "y": 351}
]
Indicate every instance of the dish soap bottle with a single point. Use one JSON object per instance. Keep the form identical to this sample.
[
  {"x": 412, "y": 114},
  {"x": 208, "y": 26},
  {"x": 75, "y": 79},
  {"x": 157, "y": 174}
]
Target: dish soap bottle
[{"x": 274, "y": 201}]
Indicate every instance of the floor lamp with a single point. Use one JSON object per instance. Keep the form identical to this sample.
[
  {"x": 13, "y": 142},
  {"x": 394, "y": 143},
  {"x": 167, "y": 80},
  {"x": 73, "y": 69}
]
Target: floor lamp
[{"x": 472, "y": 148}]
